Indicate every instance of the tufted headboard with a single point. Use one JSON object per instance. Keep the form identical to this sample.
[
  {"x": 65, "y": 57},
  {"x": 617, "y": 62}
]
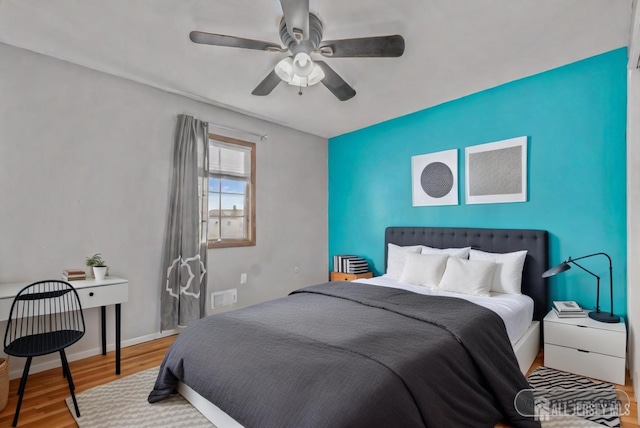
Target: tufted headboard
[{"x": 536, "y": 242}]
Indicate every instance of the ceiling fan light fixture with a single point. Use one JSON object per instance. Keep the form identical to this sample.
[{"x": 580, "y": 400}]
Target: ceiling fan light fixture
[
  {"x": 302, "y": 64},
  {"x": 284, "y": 69},
  {"x": 316, "y": 75},
  {"x": 289, "y": 70}
]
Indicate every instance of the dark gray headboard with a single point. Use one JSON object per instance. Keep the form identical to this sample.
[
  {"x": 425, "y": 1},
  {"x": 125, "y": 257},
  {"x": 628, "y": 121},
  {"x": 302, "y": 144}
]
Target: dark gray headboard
[{"x": 536, "y": 242}]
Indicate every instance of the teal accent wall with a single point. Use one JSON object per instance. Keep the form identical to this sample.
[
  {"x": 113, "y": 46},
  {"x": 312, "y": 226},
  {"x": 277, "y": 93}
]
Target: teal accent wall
[{"x": 575, "y": 120}]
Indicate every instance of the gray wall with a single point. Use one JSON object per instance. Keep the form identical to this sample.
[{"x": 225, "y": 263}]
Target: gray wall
[{"x": 84, "y": 168}]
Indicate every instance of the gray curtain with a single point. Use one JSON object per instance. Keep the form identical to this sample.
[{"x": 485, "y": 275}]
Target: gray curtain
[{"x": 184, "y": 279}]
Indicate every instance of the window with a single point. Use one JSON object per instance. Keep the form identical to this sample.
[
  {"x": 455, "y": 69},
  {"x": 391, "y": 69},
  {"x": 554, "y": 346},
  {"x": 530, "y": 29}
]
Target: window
[{"x": 232, "y": 182}]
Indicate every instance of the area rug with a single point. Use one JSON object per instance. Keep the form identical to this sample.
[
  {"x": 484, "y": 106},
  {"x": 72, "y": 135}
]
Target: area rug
[
  {"x": 123, "y": 404},
  {"x": 567, "y": 400}
]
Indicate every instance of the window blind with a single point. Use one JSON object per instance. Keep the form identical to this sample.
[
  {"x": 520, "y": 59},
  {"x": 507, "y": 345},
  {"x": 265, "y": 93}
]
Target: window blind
[{"x": 229, "y": 161}]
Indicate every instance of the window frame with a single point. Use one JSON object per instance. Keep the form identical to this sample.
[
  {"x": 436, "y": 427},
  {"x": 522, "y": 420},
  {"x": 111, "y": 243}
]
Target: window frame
[{"x": 250, "y": 214}]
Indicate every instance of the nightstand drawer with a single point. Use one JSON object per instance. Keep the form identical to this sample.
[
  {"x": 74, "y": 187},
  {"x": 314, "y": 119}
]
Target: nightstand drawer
[
  {"x": 591, "y": 339},
  {"x": 342, "y": 276},
  {"x": 590, "y": 364}
]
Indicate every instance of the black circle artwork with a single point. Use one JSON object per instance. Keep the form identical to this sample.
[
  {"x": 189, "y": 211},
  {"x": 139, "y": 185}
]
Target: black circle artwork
[{"x": 436, "y": 180}]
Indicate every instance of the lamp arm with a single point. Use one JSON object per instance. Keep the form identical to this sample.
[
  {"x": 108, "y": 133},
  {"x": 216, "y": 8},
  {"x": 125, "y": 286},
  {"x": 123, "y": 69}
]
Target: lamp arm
[
  {"x": 591, "y": 255},
  {"x": 570, "y": 260}
]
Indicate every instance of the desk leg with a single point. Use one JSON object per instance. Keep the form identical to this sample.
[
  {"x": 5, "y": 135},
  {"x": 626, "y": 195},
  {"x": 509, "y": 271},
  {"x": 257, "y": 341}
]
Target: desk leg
[
  {"x": 117, "y": 338},
  {"x": 103, "y": 326}
]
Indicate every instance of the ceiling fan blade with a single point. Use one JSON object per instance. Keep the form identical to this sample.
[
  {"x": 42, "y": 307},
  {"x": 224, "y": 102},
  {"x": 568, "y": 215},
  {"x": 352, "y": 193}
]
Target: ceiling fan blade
[
  {"x": 296, "y": 15},
  {"x": 380, "y": 46},
  {"x": 267, "y": 85},
  {"x": 335, "y": 83},
  {"x": 232, "y": 42}
]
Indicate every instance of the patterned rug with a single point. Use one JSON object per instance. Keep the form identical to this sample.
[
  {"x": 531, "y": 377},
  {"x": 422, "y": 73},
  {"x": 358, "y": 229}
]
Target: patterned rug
[
  {"x": 561, "y": 399},
  {"x": 567, "y": 400},
  {"x": 123, "y": 404}
]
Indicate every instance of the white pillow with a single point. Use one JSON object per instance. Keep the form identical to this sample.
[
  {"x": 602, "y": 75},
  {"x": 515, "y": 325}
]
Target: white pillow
[
  {"x": 396, "y": 256},
  {"x": 508, "y": 275},
  {"x": 468, "y": 276},
  {"x": 462, "y": 253},
  {"x": 424, "y": 269}
]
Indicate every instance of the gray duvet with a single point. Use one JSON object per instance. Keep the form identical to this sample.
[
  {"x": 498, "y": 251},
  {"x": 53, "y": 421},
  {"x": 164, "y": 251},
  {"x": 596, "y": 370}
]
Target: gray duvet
[{"x": 349, "y": 355}]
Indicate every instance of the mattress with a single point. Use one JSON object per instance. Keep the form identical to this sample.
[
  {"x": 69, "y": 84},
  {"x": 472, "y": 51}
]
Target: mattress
[{"x": 516, "y": 310}]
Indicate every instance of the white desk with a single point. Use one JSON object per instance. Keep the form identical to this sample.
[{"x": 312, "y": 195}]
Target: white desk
[{"x": 92, "y": 293}]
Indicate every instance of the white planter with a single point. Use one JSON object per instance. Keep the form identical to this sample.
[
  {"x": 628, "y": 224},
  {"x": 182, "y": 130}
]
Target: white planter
[{"x": 99, "y": 272}]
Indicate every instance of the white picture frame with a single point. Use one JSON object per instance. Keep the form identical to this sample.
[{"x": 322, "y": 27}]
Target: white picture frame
[
  {"x": 496, "y": 172},
  {"x": 434, "y": 178}
]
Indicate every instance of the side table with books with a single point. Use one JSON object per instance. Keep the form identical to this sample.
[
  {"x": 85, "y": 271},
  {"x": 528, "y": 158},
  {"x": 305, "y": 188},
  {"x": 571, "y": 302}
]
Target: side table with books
[
  {"x": 581, "y": 345},
  {"x": 349, "y": 264}
]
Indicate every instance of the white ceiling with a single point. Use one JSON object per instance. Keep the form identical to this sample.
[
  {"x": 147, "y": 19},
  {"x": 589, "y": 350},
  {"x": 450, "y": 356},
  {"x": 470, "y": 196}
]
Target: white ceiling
[{"x": 453, "y": 48}]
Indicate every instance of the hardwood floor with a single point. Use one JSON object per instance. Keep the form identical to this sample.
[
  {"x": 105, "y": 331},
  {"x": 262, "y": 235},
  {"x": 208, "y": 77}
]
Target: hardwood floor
[{"x": 44, "y": 406}]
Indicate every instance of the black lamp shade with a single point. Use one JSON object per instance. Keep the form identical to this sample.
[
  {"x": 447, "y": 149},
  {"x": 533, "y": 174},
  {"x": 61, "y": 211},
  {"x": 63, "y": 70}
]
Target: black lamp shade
[{"x": 556, "y": 270}]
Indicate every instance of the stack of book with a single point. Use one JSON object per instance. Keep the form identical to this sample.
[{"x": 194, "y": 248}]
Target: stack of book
[
  {"x": 73, "y": 275},
  {"x": 349, "y": 263},
  {"x": 568, "y": 309},
  {"x": 357, "y": 265}
]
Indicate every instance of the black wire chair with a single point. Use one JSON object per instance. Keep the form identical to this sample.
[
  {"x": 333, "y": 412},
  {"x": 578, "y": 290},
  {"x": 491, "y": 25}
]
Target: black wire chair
[{"x": 46, "y": 317}]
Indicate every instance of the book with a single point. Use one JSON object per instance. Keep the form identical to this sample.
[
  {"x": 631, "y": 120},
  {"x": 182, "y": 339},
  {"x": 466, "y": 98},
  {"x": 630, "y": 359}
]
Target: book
[
  {"x": 343, "y": 261},
  {"x": 570, "y": 314},
  {"x": 339, "y": 262},
  {"x": 567, "y": 306},
  {"x": 357, "y": 265},
  {"x": 73, "y": 272},
  {"x": 73, "y": 278},
  {"x": 83, "y": 276}
]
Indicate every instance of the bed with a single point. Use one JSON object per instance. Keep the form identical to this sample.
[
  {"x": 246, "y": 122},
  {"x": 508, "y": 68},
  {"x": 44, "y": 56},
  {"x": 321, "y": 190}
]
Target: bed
[
  {"x": 536, "y": 242},
  {"x": 348, "y": 354}
]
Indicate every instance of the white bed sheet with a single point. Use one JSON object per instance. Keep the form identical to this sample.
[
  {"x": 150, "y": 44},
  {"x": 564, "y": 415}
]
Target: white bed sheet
[{"x": 516, "y": 310}]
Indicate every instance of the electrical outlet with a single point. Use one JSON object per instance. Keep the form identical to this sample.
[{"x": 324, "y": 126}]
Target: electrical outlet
[{"x": 243, "y": 278}]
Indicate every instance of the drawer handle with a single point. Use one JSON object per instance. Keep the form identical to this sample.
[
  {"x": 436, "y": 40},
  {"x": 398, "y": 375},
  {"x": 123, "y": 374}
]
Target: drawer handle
[
  {"x": 91, "y": 294},
  {"x": 583, "y": 326},
  {"x": 582, "y": 350}
]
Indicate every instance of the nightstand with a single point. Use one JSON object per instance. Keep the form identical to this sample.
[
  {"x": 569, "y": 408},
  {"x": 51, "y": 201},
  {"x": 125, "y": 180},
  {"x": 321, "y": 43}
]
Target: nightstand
[
  {"x": 586, "y": 347},
  {"x": 341, "y": 276}
]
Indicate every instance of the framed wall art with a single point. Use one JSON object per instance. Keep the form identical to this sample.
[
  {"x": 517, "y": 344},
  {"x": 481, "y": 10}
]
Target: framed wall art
[
  {"x": 435, "y": 178},
  {"x": 496, "y": 172}
]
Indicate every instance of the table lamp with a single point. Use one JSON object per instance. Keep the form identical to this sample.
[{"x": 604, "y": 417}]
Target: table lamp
[{"x": 596, "y": 315}]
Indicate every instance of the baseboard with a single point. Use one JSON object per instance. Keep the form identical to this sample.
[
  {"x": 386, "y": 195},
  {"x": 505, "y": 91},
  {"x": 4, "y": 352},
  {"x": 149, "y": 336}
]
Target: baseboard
[{"x": 47, "y": 365}]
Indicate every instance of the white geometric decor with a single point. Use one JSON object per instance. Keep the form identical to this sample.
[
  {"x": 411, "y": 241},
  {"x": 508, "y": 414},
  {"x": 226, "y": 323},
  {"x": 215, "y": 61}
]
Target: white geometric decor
[
  {"x": 496, "y": 172},
  {"x": 435, "y": 178}
]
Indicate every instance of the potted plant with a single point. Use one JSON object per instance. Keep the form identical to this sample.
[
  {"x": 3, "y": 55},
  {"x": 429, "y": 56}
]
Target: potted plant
[{"x": 99, "y": 266}]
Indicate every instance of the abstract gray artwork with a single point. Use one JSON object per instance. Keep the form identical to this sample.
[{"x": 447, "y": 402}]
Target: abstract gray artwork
[
  {"x": 435, "y": 178},
  {"x": 497, "y": 172}
]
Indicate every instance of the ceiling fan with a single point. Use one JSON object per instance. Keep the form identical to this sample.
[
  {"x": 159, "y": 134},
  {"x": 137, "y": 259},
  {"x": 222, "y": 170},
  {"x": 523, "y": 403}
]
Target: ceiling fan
[{"x": 301, "y": 34}]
